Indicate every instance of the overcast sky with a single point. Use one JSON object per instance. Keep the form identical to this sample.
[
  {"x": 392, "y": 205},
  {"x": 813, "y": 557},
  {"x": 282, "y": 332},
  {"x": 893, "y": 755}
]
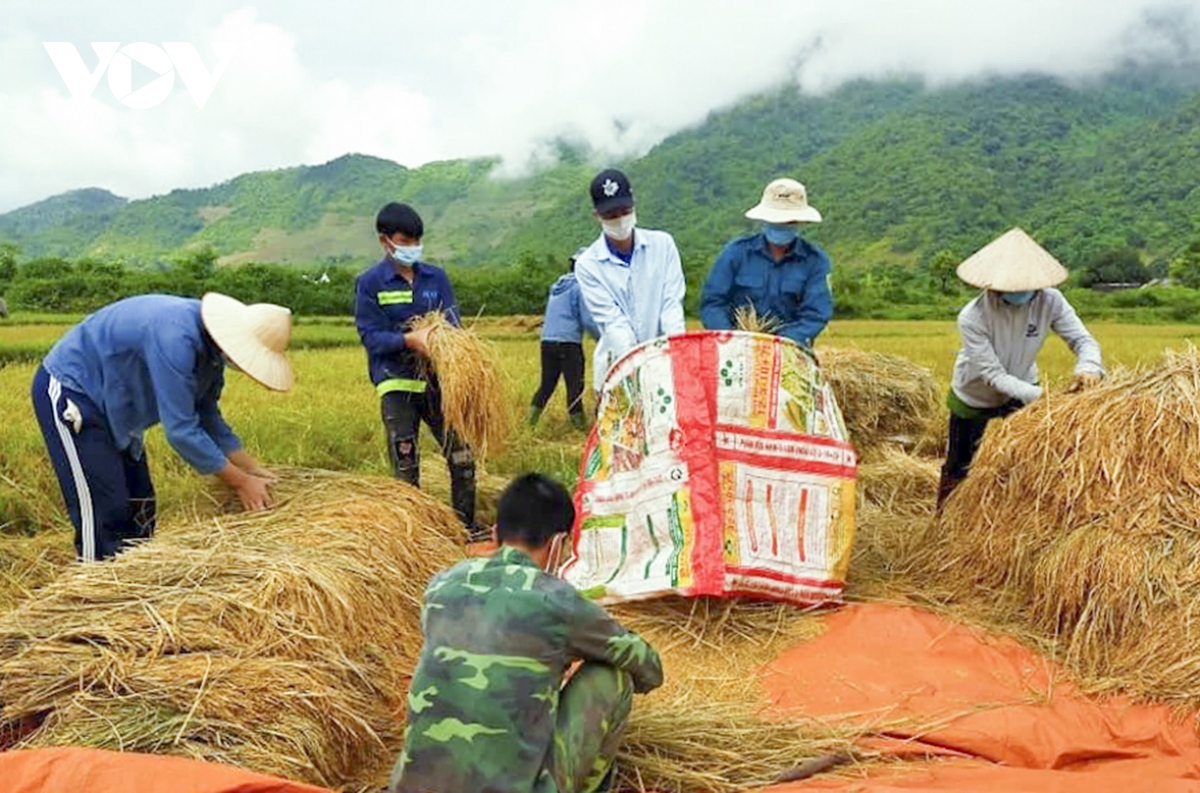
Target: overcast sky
[{"x": 415, "y": 81}]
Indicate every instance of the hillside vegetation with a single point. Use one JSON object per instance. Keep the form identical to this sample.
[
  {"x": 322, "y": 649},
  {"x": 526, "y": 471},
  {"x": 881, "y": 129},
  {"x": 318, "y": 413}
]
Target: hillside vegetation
[{"x": 899, "y": 171}]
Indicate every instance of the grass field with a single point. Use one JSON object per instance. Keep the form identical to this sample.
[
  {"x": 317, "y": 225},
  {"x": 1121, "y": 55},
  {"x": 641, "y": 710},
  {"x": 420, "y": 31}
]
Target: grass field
[{"x": 331, "y": 418}]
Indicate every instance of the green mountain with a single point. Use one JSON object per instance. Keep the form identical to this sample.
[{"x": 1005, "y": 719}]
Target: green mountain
[
  {"x": 62, "y": 220},
  {"x": 899, "y": 171}
]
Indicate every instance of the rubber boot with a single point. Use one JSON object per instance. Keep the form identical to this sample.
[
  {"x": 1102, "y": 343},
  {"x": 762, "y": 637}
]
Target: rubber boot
[{"x": 535, "y": 413}]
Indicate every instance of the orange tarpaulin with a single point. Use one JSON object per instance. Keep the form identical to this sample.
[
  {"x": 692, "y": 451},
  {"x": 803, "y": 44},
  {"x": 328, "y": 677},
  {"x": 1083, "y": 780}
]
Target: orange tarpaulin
[
  {"x": 97, "y": 771},
  {"x": 988, "y": 699}
]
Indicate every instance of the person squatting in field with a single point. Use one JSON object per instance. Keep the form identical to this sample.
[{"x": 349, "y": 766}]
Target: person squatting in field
[
  {"x": 565, "y": 321},
  {"x": 492, "y": 705},
  {"x": 1002, "y": 330},
  {"x": 388, "y": 297},
  {"x": 131, "y": 365},
  {"x": 630, "y": 278},
  {"x": 783, "y": 276}
]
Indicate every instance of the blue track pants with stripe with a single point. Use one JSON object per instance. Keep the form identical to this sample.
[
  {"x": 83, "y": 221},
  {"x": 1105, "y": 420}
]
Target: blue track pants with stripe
[{"x": 108, "y": 491}]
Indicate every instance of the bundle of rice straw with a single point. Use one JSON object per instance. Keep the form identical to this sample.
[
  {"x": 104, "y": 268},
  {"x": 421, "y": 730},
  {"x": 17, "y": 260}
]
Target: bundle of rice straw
[
  {"x": 473, "y": 396},
  {"x": 746, "y": 317},
  {"x": 275, "y": 641},
  {"x": 1080, "y": 521},
  {"x": 885, "y": 399}
]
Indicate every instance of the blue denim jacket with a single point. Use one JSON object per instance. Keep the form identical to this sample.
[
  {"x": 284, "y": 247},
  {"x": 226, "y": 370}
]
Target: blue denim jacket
[{"x": 795, "y": 290}]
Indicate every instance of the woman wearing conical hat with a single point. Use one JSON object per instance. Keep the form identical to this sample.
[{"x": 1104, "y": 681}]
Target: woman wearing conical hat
[
  {"x": 1002, "y": 331},
  {"x": 142, "y": 361}
]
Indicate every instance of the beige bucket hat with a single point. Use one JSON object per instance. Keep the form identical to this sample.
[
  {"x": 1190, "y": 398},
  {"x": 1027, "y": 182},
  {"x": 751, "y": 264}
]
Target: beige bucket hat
[
  {"x": 1012, "y": 262},
  {"x": 784, "y": 201},
  {"x": 253, "y": 337}
]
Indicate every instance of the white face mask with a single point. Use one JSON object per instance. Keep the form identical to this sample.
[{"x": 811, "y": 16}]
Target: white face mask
[
  {"x": 620, "y": 229},
  {"x": 406, "y": 254}
]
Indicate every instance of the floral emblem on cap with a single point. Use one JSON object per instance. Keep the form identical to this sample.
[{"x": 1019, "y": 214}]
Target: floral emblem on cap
[{"x": 610, "y": 188}]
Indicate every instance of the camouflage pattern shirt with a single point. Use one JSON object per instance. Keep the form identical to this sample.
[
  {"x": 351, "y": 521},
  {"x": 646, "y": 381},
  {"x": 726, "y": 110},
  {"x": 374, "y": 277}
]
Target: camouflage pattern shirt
[{"x": 499, "y": 634}]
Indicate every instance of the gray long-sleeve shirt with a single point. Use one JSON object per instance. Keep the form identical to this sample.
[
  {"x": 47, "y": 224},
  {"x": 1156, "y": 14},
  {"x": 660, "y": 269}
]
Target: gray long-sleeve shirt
[{"x": 1000, "y": 343}]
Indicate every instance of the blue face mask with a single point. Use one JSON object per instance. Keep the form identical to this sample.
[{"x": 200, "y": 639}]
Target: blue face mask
[
  {"x": 1018, "y": 298},
  {"x": 407, "y": 254},
  {"x": 781, "y": 234}
]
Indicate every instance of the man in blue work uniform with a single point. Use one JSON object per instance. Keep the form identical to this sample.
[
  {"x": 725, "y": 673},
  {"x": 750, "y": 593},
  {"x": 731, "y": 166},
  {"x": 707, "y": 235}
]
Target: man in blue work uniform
[
  {"x": 784, "y": 277},
  {"x": 131, "y": 365},
  {"x": 630, "y": 279},
  {"x": 566, "y": 320},
  {"x": 390, "y": 295}
]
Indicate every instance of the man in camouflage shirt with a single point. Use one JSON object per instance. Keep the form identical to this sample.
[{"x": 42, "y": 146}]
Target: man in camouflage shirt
[{"x": 487, "y": 709}]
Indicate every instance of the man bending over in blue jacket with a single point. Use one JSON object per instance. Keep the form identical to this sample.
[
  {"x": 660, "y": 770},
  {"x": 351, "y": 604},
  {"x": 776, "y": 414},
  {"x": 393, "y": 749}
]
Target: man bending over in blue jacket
[{"x": 131, "y": 365}]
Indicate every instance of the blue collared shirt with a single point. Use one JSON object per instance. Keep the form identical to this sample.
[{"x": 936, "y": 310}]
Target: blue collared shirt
[
  {"x": 147, "y": 359},
  {"x": 635, "y": 302},
  {"x": 794, "y": 291},
  {"x": 385, "y": 304},
  {"x": 566, "y": 317}
]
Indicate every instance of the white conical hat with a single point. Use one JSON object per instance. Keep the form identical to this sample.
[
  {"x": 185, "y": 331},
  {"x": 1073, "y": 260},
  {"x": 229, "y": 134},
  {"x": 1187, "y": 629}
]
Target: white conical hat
[
  {"x": 1012, "y": 262},
  {"x": 253, "y": 337},
  {"x": 784, "y": 201}
]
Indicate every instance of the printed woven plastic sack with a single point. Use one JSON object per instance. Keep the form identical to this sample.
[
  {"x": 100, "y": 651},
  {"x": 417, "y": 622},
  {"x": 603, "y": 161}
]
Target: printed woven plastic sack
[{"x": 719, "y": 465}]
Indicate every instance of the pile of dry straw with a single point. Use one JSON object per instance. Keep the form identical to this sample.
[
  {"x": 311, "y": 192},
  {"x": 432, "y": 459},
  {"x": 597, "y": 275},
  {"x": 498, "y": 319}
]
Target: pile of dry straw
[
  {"x": 1080, "y": 522},
  {"x": 474, "y": 399},
  {"x": 276, "y": 641},
  {"x": 281, "y": 642}
]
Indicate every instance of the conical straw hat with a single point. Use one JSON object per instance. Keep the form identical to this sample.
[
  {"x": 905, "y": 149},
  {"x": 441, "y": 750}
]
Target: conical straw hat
[
  {"x": 1012, "y": 262},
  {"x": 253, "y": 337}
]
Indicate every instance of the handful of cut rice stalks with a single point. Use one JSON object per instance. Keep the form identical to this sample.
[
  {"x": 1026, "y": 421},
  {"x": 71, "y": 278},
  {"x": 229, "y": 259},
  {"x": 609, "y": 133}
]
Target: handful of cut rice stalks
[
  {"x": 473, "y": 395},
  {"x": 746, "y": 317}
]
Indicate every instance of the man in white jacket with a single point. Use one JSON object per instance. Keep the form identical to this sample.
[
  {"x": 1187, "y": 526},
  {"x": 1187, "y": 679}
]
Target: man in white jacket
[
  {"x": 630, "y": 279},
  {"x": 1002, "y": 331}
]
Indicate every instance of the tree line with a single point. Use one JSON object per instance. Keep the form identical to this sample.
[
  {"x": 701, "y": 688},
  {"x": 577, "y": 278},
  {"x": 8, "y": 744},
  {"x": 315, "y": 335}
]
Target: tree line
[{"x": 927, "y": 290}]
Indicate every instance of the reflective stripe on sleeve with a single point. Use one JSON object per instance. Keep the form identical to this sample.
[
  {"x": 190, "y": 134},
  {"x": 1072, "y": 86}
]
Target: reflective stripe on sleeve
[{"x": 396, "y": 298}]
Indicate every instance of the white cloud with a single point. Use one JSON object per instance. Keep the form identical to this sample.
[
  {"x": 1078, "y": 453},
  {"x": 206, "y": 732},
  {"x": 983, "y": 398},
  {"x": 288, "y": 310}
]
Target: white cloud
[
  {"x": 948, "y": 40},
  {"x": 414, "y": 81},
  {"x": 266, "y": 111}
]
